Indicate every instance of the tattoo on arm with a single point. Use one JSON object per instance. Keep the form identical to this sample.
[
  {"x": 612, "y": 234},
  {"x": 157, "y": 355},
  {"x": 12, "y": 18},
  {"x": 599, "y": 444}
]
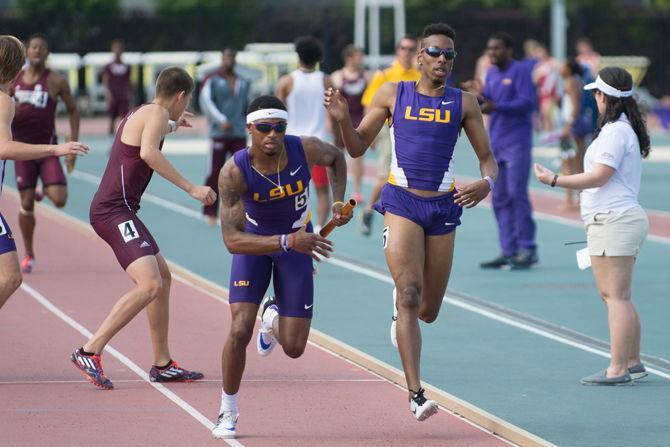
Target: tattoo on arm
[{"x": 231, "y": 188}]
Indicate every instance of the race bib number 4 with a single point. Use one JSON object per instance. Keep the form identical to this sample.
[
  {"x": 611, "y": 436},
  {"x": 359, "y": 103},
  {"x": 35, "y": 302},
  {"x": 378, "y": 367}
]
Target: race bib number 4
[{"x": 128, "y": 231}]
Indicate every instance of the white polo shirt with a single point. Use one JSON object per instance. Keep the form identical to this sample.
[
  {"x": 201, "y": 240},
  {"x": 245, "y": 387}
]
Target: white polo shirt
[{"x": 617, "y": 146}]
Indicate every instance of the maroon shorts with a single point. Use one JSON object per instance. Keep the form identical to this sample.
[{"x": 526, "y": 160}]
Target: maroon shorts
[
  {"x": 48, "y": 169},
  {"x": 128, "y": 237},
  {"x": 118, "y": 106},
  {"x": 319, "y": 176}
]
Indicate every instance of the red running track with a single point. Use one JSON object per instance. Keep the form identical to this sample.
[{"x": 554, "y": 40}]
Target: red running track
[{"x": 317, "y": 400}]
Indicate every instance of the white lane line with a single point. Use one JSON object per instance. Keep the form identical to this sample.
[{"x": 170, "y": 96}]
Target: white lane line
[
  {"x": 387, "y": 279},
  {"x": 486, "y": 313},
  {"x": 55, "y": 382},
  {"x": 126, "y": 361}
]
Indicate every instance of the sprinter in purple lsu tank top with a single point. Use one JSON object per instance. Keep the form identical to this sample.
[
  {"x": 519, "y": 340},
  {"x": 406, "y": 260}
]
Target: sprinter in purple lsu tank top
[
  {"x": 420, "y": 203},
  {"x": 265, "y": 221},
  {"x": 136, "y": 154}
]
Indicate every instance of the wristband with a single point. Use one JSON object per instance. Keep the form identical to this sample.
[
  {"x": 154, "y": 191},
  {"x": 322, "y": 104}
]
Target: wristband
[
  {"x": 553, "y": 182},
  {"x": 491, "y": 182},
  {"x": 172, "y": 125},
  {"x": 283, "y": 242}
]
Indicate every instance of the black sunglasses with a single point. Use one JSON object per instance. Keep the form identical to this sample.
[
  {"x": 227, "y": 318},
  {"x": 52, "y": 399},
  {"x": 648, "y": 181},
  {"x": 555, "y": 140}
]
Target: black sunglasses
[
  {"x": 267, "y": 127},
  {"x": 433, "y": 51}
]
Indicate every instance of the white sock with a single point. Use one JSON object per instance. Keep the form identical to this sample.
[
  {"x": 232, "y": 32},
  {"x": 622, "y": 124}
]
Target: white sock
[{"x": 228, "y": 402}]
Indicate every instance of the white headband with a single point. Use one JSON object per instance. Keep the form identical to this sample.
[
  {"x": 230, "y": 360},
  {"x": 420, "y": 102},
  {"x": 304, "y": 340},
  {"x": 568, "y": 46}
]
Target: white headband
[
  {"x": 608, "y": 89},
  {"x": 267, "y": 113}
]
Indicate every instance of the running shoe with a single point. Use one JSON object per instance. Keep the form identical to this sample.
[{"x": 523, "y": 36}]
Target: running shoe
[
  {"x": 498, "y": 263},
  {"x": 27, "y": 264},
  {"x": 421, "y": 407},
  {"x": 637, "y": 371},
  {"x": 173, "y": 373},
  {"x": 600, "y": 378},
  {"x": 365, "y": 226},
  {"x": 266, "y": 342},
  {"x": 394, "y": 319},
  {"x": 91, "y": 367},
  {"x": 226, "y": 425}
]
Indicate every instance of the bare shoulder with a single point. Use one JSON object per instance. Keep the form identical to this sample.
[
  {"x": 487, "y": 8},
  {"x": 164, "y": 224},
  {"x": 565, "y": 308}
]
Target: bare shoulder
[
  {"x": 58, "y": 81},
  {"x": 469, "y": 102},
  {"x": 6, "y": 109},
  {"x": 385, "y": 96},
  {"x": 231, "y": 183}
]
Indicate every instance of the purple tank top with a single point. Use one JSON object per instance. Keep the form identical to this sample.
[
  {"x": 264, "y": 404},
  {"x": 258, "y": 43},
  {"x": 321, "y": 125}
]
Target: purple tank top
[
  {"x": 271, "y": 209},
  {"x": 35, "y": 115},
  {"x": 352, "y": 90},
  {"x": 125, "y": 178},
  {"x": 423, "y": 134}
]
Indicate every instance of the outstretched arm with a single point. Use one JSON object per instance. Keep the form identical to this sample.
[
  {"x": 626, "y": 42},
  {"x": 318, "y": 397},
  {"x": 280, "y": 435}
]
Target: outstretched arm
[
  {"x": 14, "y": 150},
  {"x": 358, "y": 140},
  {"x": 325, "y": 154},
  {"x": 600, "y": 175},
  {"x": 155, "y": 128},
  {"x": 470, "y": 195},
  {"x": 233, "y": 217}
]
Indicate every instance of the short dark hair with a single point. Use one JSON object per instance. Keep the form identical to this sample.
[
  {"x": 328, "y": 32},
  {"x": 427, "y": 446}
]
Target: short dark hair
[
  {"x": 505, "y": 38},
  {"x": 438, "y": 28},
  {"x": 173, "y": 80},
  {"x": 309, "y": 50},
  {"x": 39, "y": 36},
  {"x": 575, "y": 67},
  {"x": 265, "y": 102}
]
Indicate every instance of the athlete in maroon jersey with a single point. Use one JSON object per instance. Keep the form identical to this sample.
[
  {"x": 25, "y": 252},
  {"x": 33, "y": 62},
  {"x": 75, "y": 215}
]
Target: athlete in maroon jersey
[
  {"x": 12, "y": 57},
  {"x": 351, "y": 80},
  {"x": 135, "y": 155},
  {"x": 116, "y": 78},
  {"x": 36, "y": 93}
]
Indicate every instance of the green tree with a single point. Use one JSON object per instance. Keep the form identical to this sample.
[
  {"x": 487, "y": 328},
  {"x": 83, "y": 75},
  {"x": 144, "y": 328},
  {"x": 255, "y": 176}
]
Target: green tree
[{"x": 70, "y": 24}]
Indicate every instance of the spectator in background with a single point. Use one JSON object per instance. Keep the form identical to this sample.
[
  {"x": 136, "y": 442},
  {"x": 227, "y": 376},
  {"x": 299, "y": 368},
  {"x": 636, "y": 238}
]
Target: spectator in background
[
  {"x": 509, "y": 97},
  {"x": 402, "y": 69},
  {"x": 530, "y": 47},
  {"x": 577, "y": 123},
  {"x": 587, "y": 56},
  {"x": 223, "y": 99},
  {"x": 116, "y": 79},
  {"x": 662, "y": 113},
  {"x": 302, "y": 92},
  {"x": 351, "y": 80},
  {"x": 546, "y": 76}
]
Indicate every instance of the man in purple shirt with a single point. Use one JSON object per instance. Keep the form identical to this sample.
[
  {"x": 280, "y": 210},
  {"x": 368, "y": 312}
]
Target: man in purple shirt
[
  {"x": 116, "y": 78},
  {"x": 509, "y": 97}
]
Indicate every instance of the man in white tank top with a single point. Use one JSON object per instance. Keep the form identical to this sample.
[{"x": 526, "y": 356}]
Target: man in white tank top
[{"x": 302, "y": 92}]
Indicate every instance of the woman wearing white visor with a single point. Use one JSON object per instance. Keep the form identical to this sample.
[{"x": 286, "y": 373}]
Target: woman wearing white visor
[{"x": 615, "y": 223}]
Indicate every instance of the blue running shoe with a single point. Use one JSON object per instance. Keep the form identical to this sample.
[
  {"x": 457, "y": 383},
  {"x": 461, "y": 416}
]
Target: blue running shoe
[
  {"x": 91, "y": 367},
  {"x": 265, "y": 342}
]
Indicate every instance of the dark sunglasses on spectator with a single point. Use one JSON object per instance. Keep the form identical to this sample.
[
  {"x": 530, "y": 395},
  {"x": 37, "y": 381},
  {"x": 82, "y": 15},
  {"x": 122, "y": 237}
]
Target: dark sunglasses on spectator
[
  {"x": 433, "y": 51},
  {"x": 267, "y": 127}
]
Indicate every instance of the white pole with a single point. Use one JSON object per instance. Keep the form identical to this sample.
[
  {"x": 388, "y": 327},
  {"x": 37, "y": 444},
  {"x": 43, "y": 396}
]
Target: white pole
[
  {"x": 559, "y": 25},
  {"x": 373, "y": 36},
  {"x": 359, "y": 24},
  {"x": 399, "y": 19}
]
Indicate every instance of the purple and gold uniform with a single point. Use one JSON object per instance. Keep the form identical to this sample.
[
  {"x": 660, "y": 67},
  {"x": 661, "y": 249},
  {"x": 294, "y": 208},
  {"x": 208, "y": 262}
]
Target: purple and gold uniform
[
  {"x": 423, "y": 136},
  {"x": 35, "y": 123},
  {"x": 511, "y": 129},
  {"x": 115, "y": 204},
  {"x": 7, "y": 243},
  {"x": 273, "y": 209}
]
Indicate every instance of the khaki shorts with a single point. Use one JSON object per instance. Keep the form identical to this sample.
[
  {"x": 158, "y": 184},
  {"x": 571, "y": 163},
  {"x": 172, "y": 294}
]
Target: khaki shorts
[
  {"x": 617, "y": 234},
  {"x": 384, "y": 152}
]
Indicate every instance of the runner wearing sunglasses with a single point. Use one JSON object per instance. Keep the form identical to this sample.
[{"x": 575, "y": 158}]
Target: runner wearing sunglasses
[
  {"x": 420, "y": 204},
  {"x": 265, "y": 220}
]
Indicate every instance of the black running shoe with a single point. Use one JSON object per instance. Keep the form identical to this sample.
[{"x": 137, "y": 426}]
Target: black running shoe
[
  {"x": 173, "y": 373},
  {"x": 497, "y": 263}
]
